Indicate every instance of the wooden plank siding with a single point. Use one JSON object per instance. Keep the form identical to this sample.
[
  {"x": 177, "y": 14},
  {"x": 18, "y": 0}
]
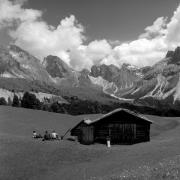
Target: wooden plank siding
[
  {"x": 87, "y": 135},
  {"x": 84, "y": 133},
  {"x": 121, "y": 133},
  {"x": 143, "y": 132}
]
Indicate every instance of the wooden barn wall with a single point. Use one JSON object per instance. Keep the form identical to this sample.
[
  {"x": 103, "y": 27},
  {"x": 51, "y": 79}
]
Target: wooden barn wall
[
  {"x": 84, "y": 133},
  {"x": 77, "y": 131},
  {"x": 123, "y": 128},
  {"x": 87, "y": 136}
]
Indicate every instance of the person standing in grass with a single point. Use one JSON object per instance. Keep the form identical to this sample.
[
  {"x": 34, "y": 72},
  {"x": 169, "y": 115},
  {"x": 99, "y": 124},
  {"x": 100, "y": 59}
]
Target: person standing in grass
[{"x": 54, "y": 135}]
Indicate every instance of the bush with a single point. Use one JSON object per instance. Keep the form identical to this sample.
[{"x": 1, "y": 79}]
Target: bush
[
  {"x": 58, "y": 108},
  {"x": 15, "y": 102},
  {"x": 3, "y": 101},
  {"x": 30, "y": 101},
  {"x": 54, "y": 107},
  {"x": 9, "y": 101}
]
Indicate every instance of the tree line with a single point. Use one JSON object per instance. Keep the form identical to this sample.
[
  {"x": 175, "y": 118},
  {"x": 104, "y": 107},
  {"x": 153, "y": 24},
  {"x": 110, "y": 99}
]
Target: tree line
[
  {"x": 76, "y": 106},
  {"x": 28, "y": 100}
]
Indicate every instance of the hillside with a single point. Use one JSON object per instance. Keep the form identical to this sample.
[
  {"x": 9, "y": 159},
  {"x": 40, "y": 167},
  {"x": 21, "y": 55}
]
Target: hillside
[
  {"x": 21, "y": 122},
  {"x": 32, "y": 159}
]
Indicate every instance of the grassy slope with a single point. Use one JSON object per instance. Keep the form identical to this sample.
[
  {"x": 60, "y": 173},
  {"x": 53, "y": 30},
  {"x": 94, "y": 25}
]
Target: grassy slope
[{"x": 21, "y": 157}]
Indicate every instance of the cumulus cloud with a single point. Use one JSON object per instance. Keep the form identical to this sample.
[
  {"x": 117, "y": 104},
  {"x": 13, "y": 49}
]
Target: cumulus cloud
[
  {"x": 41, "y": 39},
  {"x": 87, "y": 55},
  {"x": 80, "y": 59},
  {"x": 97, "y": 50},
  {"x": 11, "y": 12},
  {"x": 141, "y": 52},
  {"x": 33, "y": 34},
  {"x": 157, "y": 29},
  {"x": 29, "y": 31},
  {"x": 151, "y": 46},
  {"x": 173, "y": 30}
]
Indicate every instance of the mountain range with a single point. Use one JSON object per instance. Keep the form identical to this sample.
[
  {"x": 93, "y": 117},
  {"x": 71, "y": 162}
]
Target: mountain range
[{"x": 53, "y": 78}]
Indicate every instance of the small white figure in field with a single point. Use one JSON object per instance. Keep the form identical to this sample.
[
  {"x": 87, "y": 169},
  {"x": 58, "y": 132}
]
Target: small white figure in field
[
  {"x": 34, "y": 134},
  {"x": 54, "y": 135},
  {"x": 108, "y": 142}
]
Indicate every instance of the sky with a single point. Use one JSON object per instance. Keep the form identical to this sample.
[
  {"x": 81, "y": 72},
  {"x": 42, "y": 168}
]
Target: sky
[
  {"x": 84, "y": 32},
  {"x": 121, "y": 20}
]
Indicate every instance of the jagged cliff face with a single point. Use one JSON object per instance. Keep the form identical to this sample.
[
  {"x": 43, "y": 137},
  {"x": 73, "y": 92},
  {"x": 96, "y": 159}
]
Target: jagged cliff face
[
  {"x": 17, "y": 63},
  {"x": 116, "y": 80},
  {"x": 174, "y": 56},
  {"x": 56, "y": 67},
  {"x": 62, "y": 74},
  {"x": 159, "y": 82}
]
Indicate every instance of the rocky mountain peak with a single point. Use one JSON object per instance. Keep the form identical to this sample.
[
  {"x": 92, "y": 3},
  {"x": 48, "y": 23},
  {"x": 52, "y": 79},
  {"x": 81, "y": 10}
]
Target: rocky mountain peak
[
  {"x": 126, "y": 66},
  {"x": 13, "y": 47},
  {"x": 106, "y": 71},
  {"x": 56, "y": 67},
  {"x": 174, "y": 56},
  {"x": 17, "y": 51},
  {"x": 170, "y": 54},
  {"x": 85, "y": 72}
]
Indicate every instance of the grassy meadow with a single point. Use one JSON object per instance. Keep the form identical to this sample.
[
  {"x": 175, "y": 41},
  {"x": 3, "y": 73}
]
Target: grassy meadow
[{"x": 24, "y": 158}]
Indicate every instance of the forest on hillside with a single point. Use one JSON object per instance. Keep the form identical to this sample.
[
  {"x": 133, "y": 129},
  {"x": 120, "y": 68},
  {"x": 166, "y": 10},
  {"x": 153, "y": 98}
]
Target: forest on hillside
[{"x": 76, "y": 106}]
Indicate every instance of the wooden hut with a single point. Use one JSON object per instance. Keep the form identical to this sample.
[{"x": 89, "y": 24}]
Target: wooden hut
[{"x": 122, "y": 126}]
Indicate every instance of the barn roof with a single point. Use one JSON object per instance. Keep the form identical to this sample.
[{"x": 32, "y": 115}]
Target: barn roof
[{"x": 88, "y": 121}]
